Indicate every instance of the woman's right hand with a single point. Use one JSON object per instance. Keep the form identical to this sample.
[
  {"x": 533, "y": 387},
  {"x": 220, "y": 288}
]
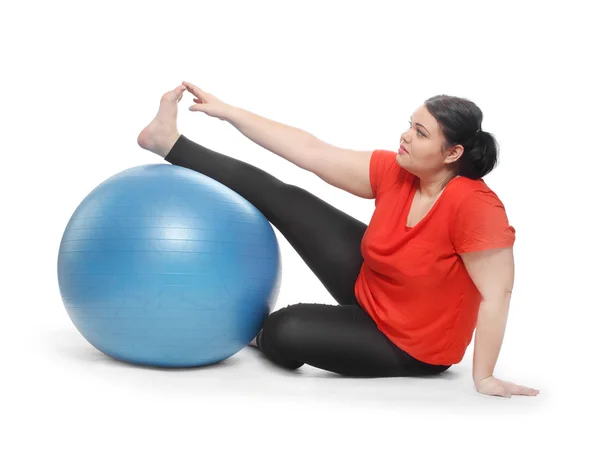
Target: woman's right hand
[{"x": 206, "y": 102}]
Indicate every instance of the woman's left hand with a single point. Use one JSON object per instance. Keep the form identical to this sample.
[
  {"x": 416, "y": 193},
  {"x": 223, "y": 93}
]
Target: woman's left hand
[{"x": 496, "y": 387}]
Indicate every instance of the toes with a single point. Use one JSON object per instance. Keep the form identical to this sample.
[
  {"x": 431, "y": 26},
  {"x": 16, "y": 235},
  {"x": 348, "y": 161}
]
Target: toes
[
  {"x": 179, "y": 90},
  {"x": 171, "y": 95}
]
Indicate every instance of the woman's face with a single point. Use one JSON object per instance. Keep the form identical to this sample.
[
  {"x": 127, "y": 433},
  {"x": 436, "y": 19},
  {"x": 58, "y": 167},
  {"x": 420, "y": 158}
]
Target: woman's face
[{"x": 423, "y": 141}]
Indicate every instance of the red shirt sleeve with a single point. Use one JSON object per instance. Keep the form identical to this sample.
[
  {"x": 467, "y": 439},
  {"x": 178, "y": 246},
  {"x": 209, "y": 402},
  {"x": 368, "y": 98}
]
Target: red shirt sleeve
[
  {"x": 384, "y": 171},
  {"x": 481, "y": 223}
]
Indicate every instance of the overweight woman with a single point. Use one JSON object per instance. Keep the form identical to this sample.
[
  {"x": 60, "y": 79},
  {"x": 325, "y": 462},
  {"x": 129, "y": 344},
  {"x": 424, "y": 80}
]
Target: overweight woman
[{"x": 434, "y": 263}]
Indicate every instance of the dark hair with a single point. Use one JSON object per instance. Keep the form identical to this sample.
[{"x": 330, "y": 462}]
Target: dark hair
[{"x": 460, "y": 122}]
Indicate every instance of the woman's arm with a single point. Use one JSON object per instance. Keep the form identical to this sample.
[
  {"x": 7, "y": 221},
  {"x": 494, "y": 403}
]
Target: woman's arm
[
  {"x": 491, "y": 324},
  {"x": 291, "y": 143},
  {"x": 493, "y": 273}
]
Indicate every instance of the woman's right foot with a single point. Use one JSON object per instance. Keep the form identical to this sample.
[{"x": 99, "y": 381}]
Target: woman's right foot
[{"x": 160, "y": 135}]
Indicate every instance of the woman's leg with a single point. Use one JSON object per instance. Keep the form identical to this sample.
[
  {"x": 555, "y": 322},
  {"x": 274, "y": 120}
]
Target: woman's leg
[
  {"x": 327, "y": 239},
  {"x": 339, "y": 338}
]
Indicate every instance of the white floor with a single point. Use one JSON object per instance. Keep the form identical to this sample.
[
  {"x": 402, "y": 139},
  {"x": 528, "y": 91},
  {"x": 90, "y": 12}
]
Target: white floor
[{"x": 70, "y": 405}]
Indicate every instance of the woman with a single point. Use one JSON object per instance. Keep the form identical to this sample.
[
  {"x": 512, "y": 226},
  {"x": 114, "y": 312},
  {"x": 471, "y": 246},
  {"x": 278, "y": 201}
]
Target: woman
[{"x": 410, "y": 286}]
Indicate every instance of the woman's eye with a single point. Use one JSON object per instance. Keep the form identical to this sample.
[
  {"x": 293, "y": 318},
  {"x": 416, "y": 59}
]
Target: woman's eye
[{"x": 418, "y": 131}]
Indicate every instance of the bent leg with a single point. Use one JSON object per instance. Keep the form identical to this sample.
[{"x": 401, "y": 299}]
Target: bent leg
[{"x": 339, "y": 338}]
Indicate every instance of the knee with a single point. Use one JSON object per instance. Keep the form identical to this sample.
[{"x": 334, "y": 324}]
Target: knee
[{"x": 282, "y": 328}]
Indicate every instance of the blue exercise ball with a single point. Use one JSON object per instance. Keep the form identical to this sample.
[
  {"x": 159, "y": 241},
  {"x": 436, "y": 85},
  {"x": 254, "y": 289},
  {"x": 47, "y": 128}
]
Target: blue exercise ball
[{"x": 161, "y": 265}]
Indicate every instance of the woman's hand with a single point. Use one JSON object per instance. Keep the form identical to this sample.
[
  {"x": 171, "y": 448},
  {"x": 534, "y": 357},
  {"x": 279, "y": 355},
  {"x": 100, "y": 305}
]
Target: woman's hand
[
  {"x": 206, "y": 102},
  {"x": 496, "y": 387}
]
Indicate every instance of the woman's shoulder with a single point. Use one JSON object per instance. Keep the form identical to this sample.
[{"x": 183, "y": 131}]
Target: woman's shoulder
[
  {"x": 469, "y": 194},
  {"x": 467, "y": 186},
  {"x": 473, "y": 193}
]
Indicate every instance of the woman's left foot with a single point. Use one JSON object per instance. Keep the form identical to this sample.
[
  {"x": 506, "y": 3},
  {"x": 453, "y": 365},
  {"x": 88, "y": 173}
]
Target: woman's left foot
[{"x": 160, "y": 135}]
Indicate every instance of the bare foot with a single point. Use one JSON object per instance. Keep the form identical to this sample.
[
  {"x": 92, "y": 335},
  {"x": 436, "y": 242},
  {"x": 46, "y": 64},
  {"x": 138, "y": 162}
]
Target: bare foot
[{"x": 160, "y": 135}]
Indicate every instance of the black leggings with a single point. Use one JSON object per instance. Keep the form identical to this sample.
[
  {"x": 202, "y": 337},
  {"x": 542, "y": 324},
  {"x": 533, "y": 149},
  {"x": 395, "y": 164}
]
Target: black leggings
[{"x": 339, "y": 338}]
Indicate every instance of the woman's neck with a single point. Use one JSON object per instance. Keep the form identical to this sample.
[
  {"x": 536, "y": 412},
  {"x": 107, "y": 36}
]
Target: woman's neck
[{"x": 431, "y": 190}]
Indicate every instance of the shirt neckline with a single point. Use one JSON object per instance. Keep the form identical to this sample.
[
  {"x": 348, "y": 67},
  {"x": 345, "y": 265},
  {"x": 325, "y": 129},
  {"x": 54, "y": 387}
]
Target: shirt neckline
[{"x": 411, "y": 198}]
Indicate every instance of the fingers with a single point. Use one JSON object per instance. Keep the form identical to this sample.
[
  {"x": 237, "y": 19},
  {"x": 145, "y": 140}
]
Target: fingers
[
  {"x": 192, "y": 88},
  {"x": 518, "y": 389},
  {"x": 508, "y": 392},
  {"x": 523, "y": 391}
]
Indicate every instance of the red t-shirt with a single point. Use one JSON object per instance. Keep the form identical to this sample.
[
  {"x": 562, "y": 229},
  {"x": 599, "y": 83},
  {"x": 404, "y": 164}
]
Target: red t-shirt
[{"x": 413, "y": 283}]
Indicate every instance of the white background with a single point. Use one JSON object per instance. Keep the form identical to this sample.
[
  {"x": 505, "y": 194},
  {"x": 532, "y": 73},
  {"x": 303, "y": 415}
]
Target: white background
[{"x": 80, "y": 80}]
